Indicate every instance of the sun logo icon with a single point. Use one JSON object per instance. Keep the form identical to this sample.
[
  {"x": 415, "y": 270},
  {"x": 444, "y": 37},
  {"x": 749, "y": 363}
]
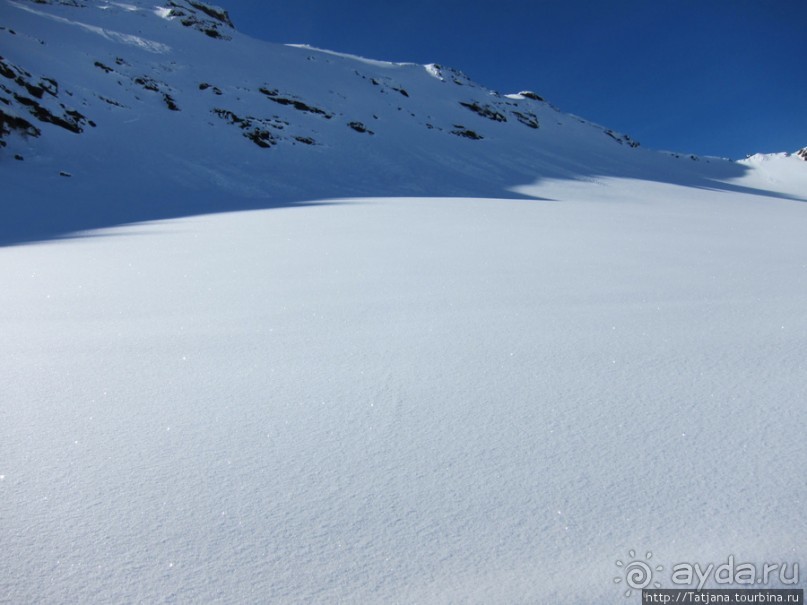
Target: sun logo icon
[{"x": 637, "y": 574}]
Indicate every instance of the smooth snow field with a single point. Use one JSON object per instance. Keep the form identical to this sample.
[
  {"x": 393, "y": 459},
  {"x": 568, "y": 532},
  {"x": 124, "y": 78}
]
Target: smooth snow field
[{"x": 405, "y": 400}]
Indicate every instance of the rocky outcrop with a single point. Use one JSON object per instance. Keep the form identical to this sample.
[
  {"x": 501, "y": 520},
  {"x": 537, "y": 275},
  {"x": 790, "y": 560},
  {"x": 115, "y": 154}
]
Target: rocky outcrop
[
  {"x": 486, "y": 111},
  {"x": 359, "y": 127},
  {"x": 528, "y": 94},
  {"x": 449, "y": 74},
  {"x": 22, "y": 93},
  {"x": 208, "y": 19},
  {"x": 466, "y": 133},
  {"x": 10, "y": 123},
  {"x": 623, "y": 139},
  {"x": 275, "y": 96},
  {"x": 254, "y": 129},
  {"x": 527, "y": 118}
]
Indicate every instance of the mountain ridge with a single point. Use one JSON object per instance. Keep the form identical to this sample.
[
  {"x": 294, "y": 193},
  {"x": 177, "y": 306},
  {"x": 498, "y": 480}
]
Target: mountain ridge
[{"x": 200, "y": 111}]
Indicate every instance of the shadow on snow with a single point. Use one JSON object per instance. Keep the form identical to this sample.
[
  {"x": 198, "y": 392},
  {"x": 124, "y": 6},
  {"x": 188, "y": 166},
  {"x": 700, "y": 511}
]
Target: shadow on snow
[{"x": 38, "y": 209}]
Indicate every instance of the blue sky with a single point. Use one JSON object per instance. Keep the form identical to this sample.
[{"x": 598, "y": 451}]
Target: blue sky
[{"x": 712, "y": 77}]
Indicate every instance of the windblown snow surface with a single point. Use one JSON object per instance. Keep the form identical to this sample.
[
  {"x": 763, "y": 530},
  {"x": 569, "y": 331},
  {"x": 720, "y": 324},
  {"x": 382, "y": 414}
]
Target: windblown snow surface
[{"x": 397, "y": 398}]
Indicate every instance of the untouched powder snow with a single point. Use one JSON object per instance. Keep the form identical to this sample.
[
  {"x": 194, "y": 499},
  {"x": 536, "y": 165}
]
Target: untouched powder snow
[
  {"x": 289, "y": 326},
  {"x": 404, "y": 400}
]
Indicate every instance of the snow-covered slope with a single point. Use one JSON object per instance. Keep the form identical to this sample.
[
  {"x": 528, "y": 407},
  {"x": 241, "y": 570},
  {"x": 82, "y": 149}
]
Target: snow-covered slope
[
  {"x": 415, "y": 366},
  {"x": 164, "y": 100}
]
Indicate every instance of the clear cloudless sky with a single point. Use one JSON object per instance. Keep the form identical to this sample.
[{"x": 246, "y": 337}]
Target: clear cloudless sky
[{"x": 712, "y": 77}]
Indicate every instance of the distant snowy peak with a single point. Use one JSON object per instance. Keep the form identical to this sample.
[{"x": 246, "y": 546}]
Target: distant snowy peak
[{"x": 758, "y": 158}]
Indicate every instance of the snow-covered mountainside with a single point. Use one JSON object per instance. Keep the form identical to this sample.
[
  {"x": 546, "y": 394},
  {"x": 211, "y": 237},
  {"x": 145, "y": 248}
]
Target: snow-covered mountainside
[
  {"x": 171, "y": 99},
  {"x": 291, "y": 326}
]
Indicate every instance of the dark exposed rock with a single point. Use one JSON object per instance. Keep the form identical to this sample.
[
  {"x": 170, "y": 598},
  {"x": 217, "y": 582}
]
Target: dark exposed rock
[
  {"x": 802, "y": 153},
  {"x": 212, "y": 32},
  {"x": 50, "y": 86},
  {"x": 111, "y": 101},
  {"x": 359, "y": 127},
  {"x": 528, "y": 119},
  {"x": 72, "y": 122},
  {"x": 385, "y": 86},
  {"x": 29, "y": 98},
  {"x": 486, "y": 111},
  {"x": 74, "y": 115},
  {"x": 466, "y": 133},
  {"x": 262, "y": 138},
  {"x": 9, "y": 71},
  {"x": 33, "y": 90},
  {"x": 25, "y": 101},
  {"x": 106, "y": 68},
  {"x": 528, "y": 94},
  {"x": 208, "y": 22},
  {"x": 153, "y": 85},
  {"x": 449, "y": 73},
  {"x": 147, "y": 83},
  {"x": 205, "y": 86},
  {"x": 623, "y": 140},
  {"x": 274, "y": 95},
  {"x": 226, "y": 114},
  {"x": 254, "y": 129},
  {"x": 170, "y": 102},
  {"x": 215, "y": 13},
  {"x": 10, "y": 123},
  {"x": 24, "y": 79}
]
